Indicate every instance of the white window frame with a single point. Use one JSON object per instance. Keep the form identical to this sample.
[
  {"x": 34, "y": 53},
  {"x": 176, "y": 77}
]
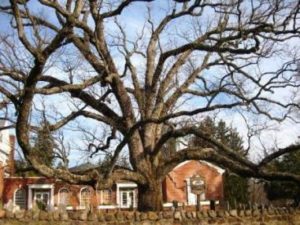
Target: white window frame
[
  {"x": 59, "y": 196},
  {"x": 80, "y": 197},
  {"x": 31, "y": 187},
  {"x": 25, "y": 197},
  {"x": 132, "y": 186}
]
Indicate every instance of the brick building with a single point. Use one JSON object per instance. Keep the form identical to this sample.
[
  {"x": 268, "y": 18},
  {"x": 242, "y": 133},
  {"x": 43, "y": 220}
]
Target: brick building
[{"x": 25, "y": 192}]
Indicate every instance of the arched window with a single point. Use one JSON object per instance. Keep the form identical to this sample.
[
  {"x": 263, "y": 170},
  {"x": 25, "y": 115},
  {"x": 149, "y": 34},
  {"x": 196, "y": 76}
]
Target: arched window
[
  {"x": 106, "y": 197},
  {"x": 20, "y": 198},
  {"x": 63, "y": 196},
  {"x": 85, "y": 197}
]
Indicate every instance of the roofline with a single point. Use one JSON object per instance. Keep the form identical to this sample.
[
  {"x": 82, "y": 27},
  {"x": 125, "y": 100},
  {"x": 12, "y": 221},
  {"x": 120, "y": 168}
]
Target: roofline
[{"x": 218, "y": 169}]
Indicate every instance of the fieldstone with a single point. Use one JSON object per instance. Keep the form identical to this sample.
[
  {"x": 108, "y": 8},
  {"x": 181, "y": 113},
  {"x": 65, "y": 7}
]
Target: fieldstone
[
  {"x": 194, "y": 215},
  {"x": 44, "y": 215},
  {"x": 19, "y": 214},
  {"x": 220, "y": 213},
  {"x": 160, "y": 215},
  {"x": 109, "y": 217},
  {"x": 281, "y": 210},
  {"x": 199, "y": 215},
  {"x": 143, "y": 216},
  {"x": 204, "y": 214},
  {"x": 212, "y": 214},
  {"x": 64, "y": 216},
  {"x": 83, "y": 216},
  {"x": 227, "y": 213},
  {"x": 35, "y": 214},
  {"x": 188, "y": 215},
  {"x": 100, "y": 217},
  {"x": 9, "y": 206},
  {"x": 129, "y": 215},
  {"x": 255, "y": 212},
  {"x": 146, "y": 222},
  {"x": 248, "y": 212},
  {"x": 55, "y": 215},
  {"x": 233, "y": 212},
  {"x": 91, "y": 216},
  {"x": 152, "y": 216},
  {"x": 177, "y": 216},
  {"x": 28, "y": 214},
  {"x": 2, "y": 213},
  {"x": 9, "y": 214},
  {"x": 167, "y": 214},
  {"x": 74, "y": 215},
  {"x": 137, "y": 216},
  {"x": 119, "y": 216},
  {"x": 241, "y": 213}
]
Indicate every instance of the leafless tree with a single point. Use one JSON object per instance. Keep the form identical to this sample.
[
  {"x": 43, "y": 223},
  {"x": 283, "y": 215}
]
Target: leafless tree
[{"x": 144, "y": 85}]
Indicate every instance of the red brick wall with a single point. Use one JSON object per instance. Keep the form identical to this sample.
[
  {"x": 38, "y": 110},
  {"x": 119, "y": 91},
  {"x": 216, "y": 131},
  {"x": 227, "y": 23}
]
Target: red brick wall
[
  {"x": 175, "y": 186},
  {"x": 11, "y": 157},
  {"x": 12, "y": 184}
]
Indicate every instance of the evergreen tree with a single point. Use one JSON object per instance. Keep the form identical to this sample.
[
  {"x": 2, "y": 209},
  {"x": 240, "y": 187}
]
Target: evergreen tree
[
  {"x": 277, "y": 190},
  {"x": 235, "y": 187},
  {"x": 44, "y": 145}
]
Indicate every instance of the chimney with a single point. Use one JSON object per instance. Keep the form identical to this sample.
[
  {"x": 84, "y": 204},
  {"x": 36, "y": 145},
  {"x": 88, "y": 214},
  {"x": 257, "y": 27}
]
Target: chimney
[{"x": 11, "y": 157}]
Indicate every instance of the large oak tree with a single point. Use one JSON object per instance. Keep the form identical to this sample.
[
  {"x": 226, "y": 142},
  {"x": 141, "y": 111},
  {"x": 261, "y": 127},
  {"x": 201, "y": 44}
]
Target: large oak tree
[{"x": 143, "y": 71}]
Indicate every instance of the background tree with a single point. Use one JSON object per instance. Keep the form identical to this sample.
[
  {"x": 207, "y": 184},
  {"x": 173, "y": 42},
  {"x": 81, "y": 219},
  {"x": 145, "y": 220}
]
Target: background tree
[
  {"x": 44, "y": 145},
  {"x": 279, "y": 190},
  {"x": 235, "y": 187},
  {"x": 181, "y": 60}
]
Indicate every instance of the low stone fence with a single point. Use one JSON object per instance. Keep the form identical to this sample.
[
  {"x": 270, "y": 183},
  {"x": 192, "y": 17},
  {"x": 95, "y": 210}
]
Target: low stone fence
[{"x": 282, "y": 216}]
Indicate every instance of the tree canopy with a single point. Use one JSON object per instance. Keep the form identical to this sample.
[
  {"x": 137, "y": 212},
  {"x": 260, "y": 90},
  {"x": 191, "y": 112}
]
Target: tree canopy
[{"x": 143, "y": 72}]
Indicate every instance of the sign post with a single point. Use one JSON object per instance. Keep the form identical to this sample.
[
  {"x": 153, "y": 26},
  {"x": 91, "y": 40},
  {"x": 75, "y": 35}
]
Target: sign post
[{"x": 197, "y": 188}]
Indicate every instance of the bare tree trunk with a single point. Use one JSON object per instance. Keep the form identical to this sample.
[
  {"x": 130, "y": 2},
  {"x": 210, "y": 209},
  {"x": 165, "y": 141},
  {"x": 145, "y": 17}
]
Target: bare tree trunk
[{"x": 150, "y": 197}]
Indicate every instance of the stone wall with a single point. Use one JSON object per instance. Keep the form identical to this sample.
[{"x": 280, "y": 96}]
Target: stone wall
[{"x": 281, "y": 216}]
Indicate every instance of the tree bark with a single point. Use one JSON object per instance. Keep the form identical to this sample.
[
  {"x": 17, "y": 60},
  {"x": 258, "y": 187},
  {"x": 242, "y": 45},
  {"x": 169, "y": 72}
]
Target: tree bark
[{"x": 150, "y": 197}]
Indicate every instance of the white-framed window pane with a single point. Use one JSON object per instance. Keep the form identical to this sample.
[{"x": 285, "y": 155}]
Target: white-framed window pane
[
  {"x": 107, "y": 197},
  {"x": 20, "y": 198},
  {"x": 85, "y": 198},
  {"x": 64, "y": 197}
]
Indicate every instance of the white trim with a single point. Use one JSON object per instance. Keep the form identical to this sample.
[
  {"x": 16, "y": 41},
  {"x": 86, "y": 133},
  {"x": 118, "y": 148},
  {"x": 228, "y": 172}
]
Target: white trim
[
  {"x": 130, "y": 201},
  {"x": 14, "y": 197},
  {"x": 181, "y": 164},
  {"x": 205, "y": 202},
  {"x": 219, "y": 170},
  {"x": 40, "y": 186},
  {"x": 123, "y": 185},
  {"x": 168, "y": 204},
  {"x": 107, "y": 207},
  {"x": 80, "y": 201},
  {"x": 126, "y": 185},
  {"x": 58, "y": 194}
]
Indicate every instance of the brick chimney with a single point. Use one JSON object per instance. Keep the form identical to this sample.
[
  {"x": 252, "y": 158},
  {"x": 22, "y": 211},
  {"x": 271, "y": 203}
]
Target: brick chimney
[
  {"x": 11, "y": 157},
  {"x": 1, "y": 181}
]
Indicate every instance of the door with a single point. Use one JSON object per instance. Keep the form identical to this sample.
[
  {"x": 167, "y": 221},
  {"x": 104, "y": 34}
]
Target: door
[
  {"x": 127, "y": 199},
  {"x": 42, "y": 197}
]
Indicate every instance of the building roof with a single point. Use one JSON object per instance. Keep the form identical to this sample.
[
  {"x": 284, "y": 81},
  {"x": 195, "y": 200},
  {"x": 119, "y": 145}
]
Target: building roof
[
  {"x": 83, "y": 167},
  {"x": 2, "y": 123}
]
